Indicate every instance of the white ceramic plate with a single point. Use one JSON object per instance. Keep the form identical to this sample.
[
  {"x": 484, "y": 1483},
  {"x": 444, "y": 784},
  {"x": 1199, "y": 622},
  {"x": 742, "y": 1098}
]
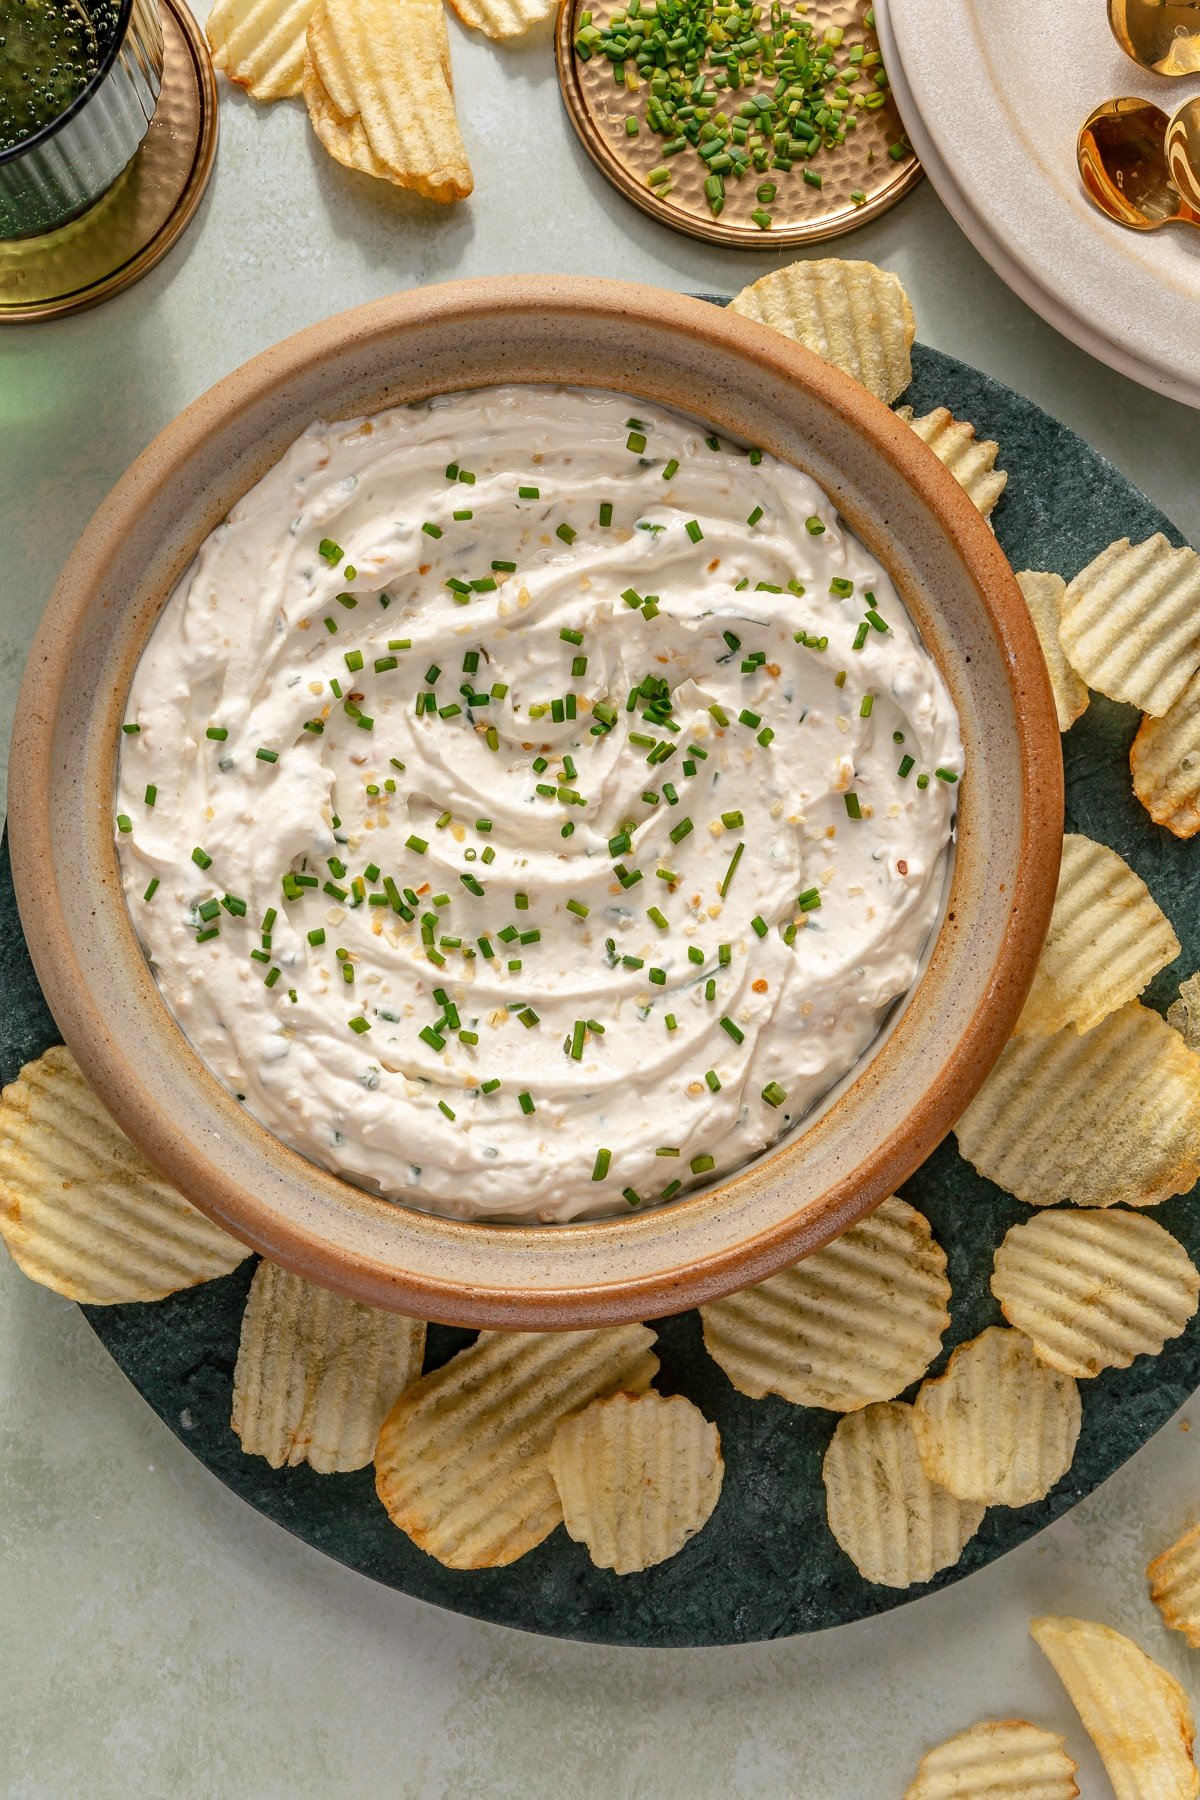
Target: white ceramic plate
[{"x": 992, "y": 93}]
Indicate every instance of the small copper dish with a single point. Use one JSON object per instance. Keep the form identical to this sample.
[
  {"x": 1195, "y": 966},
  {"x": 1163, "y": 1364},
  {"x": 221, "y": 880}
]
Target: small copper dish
[{"x": 801, "y": 213}]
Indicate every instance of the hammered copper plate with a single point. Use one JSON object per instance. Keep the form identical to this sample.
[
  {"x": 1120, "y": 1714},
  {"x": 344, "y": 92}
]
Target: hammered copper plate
[
  {"x": 800, "y": 213},
  {"x": 140, "y": 217}
]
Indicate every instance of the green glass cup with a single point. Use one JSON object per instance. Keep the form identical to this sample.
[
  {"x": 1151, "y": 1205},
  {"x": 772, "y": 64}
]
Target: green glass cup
[{"x": 79, "y": 82}]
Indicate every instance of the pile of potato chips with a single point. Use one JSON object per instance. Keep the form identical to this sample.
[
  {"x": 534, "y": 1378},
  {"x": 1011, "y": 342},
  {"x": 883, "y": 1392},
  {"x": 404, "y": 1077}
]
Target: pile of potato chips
[
  {"x": 374, "y": 74},
  {"x": 1090, "y": 1116}
]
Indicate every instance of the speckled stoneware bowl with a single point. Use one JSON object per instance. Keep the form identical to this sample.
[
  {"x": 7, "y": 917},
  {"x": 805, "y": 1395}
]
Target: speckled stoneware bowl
[{"x": 907, "y": 1091}]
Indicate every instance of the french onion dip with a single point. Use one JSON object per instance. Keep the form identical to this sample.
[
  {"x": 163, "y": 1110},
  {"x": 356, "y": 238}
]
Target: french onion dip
[{"x": 530, "y": 803}]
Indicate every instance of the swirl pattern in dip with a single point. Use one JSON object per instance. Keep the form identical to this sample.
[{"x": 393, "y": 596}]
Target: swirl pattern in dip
[{"x": 530, "y": 805}]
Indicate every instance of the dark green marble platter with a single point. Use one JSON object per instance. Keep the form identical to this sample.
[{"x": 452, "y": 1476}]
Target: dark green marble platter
[{"x": 766, "y": 1565}]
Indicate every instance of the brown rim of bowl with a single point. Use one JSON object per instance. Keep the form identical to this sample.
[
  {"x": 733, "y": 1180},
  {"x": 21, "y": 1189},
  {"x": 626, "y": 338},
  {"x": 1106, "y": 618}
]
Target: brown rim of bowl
[{"x": 137, "y": 1093}]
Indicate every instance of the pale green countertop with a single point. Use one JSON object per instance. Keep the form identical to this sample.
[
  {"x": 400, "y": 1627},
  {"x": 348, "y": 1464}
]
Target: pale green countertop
[{"x": 157, "y": 1638}]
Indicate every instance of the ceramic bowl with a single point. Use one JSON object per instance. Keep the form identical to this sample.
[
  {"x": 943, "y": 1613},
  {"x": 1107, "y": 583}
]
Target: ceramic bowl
[{"x": 907, "y": 1091}]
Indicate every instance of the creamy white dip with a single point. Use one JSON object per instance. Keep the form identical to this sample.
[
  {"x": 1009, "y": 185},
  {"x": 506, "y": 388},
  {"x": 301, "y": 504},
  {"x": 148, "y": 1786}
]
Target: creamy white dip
[{"x": 384, "y": 730}]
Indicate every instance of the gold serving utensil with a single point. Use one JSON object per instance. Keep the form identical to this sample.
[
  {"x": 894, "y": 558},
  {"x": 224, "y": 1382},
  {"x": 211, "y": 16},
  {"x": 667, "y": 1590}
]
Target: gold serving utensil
[
  {"x": 1182, "y": 144},
  {"x": 1122, "y": 156},
  {"x": 1161, "y": 35}
]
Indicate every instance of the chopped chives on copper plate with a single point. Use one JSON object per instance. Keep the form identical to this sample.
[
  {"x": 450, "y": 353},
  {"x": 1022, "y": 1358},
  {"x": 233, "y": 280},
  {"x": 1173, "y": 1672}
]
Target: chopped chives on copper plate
[{"x": 795, "y": 186}]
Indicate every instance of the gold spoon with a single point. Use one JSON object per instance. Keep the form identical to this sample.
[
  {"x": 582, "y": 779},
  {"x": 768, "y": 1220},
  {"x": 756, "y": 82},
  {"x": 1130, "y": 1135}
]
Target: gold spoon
[
  {"x": 1182, "y": 144},
  {"x": 1161, "y": 35},
  {"x": 1123, "y": 162}
]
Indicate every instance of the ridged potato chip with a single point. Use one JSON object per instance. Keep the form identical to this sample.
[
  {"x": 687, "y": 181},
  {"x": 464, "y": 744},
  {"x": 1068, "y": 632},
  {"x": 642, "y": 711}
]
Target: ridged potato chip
[
  {"x": 1109, "y": 1118},
  {"x": 1108, "y": 938},
  {"x": 81, "y": 1210},
  {"x": 316, "y": 1373},
  {"x": 637, "y": 1475},
  {"x": 260, "y": 44},
  {"x": 852, "y": 314},
  {"x": 378, "y": 80},
  {"x": 1043, "y": 596},
  {"x": 463, "y": 1459},
  {"x": 1131, "y": 622},
  {"x": 1000, "y": 1426},
  {"x": 1174, "y": 1579},
  {"x": 1164, "y": 761},
  {"x": 500, "y": 19},
  {"x": 1136, "y": 1714},
  {"x": 853, "y": 1323},
  {"x": 344, "y": 139},
  {"x": 896, "y": 1526},
  {"x": 1093, "y": 1289},
  {"x": 1002, "y": 1759},
  {"x": 971, "y": 460}
]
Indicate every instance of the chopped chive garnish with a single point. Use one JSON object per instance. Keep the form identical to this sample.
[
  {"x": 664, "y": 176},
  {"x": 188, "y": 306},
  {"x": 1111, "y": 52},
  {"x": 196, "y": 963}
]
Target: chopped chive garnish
[
  {"x": 600, "y": 1166},
  {"x": 331, "y": 552},
  {"x": 529, "y": 493},
  {"x": 131, "y": 728},
  {"x": 578, "y": 908},
  {"x": 734, "y": 860},
  {"x": 866, "y": 706},
  {"x": 714, "y": 1085},
  {"x": 489, "y": 1087},
  {"x": 606, "y": 512},
  {"x": 852, "y": 805},
  {"x": 809, "y": 900},
  {"x": 657, "y": 918},
  {"x": 565, "y": 532},
  {"x": 732, "y": 820},
  {"x": 735, "y": 1031},
  {"x": 200, "y": 857},
  {"x": 419, "y": 844},
  {"x": 442, "y": 1107},
  {"x": 658, "y": 977},
  {"x": 152, "y": 889},
  {"x": 700, "y": 1165},
  {"x": 431, "y": 530},
  {"x": 152, "y": 793},
  {"x": 525, "y": 1102},
  {"x": 693, "y": 530},
  {"x": 814, "y": 526},
  {"x": 218, "y": 733},
  {"x": 773, "y": 1094},
  {"x": 945, "y": 775}
]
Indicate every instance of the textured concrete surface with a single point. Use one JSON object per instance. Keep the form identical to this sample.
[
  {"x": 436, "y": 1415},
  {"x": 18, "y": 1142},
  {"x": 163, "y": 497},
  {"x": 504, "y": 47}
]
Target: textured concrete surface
[{"x": 158, "y": 1638}]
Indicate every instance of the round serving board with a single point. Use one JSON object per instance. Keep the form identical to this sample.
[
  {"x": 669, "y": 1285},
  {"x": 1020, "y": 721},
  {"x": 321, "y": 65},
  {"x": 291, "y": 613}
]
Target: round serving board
[{"x": 766, "y": 1565}]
